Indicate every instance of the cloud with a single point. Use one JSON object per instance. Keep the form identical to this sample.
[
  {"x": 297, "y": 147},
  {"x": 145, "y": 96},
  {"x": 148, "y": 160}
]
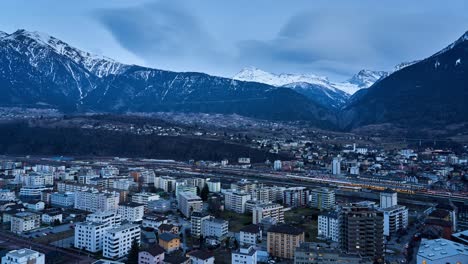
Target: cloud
[
  {"x": 340, "y": 41},
  {"x": 162, "y": 33}
]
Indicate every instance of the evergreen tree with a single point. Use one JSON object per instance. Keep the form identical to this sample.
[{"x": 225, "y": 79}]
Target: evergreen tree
[
  {"x": 133, "y": 253},
  {"x": 204, "y": 193}
]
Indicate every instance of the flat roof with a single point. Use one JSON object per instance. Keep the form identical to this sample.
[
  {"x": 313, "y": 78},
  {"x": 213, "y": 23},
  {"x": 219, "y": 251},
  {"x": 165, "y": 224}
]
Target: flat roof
[{"x": 440, "y": 249}]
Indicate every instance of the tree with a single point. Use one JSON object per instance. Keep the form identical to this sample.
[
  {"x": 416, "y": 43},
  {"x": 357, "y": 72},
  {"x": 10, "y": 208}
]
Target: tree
[
  {"x": 198, "y": 191},
  {"x": 133, "y": 253},
  {"x": 204, "y": 192}
]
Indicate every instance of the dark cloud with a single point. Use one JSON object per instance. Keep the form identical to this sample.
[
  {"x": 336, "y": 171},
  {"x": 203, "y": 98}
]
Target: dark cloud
[{"x": 163, "y": 33}]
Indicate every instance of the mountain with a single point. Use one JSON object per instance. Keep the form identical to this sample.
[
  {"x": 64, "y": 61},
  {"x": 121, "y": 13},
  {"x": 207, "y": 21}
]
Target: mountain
[
  {"x": 319, "y": 89},
  {"x": 37, "y": 69},
  {"x": 427, "y": 93}
]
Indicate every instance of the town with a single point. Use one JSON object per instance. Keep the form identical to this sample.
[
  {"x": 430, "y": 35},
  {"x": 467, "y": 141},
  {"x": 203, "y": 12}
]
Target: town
[{"x": 357, "y": 203}]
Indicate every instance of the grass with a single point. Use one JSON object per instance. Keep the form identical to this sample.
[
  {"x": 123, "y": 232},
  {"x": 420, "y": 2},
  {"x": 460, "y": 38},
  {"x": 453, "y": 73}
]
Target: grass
[
  {"x": 236, "y": 221},
  {"x": 54, "y": 237},
  {"x": 306, "y": 218}
]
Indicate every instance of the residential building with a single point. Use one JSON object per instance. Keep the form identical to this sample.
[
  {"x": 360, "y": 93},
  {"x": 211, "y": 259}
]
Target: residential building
[
  {"x": 196, "y": 221},
  {"x": 51, "y": 216},
  {"x": 272, "y": 210},
  {"x": 118, "y": 240},
  {"x": 395, "y": 218},
  {"x": 322, "y": 198},
  {"x": 313, "y": 253},
  {"x": 277, "y": 165},
  {"x": 152, "y": 255},
  {"x": 168, "y": 228},
  {"x": 441, "y": 251},
  {"x": 132, "y": 212},
  {"x": 235, "y": 201},
  {"x": 296, "y": 197},
  {"x": 24, "y": 221},
  {"x": 250, "y": 235},
  {"x": 169, "y": 242},
  {"x": 63, "y": 199},
  {"x": 201, "y": 257},
  {"x": 33, "y": 191},
  {"x": 282, "y": 240},
  {"x": 153, "y": 221},
  {"x": 144, "y": 197},
  {"x": 159, "y": 206},
  {"x": 214, "y": 186},
  {"x": 245, "y": 255},
  {"x": 245, "y": 186},
  {"x": 188, "y": 203},
  {"x": 166, "y": 183},
  {"x": 23, "y": 256},
  {"x": 89, "y": 235},
  {"x": 328, "y": 226},
  {"x": 94, "y": 201},
  {"x": 213, "y": 227},
  {"x": 35, "y": 205},
  {"x": 361, "y": 231}
]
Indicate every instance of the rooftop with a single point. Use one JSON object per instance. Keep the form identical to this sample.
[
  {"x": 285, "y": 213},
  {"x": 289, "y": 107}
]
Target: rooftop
[
  {"x": 286, "y": 229},
  {"x": 252, "y": 228},
  {"x": 20, "y": 253},
  {"x": 201, "y": 254},
  {"x": 441, "y": 248},
  {"x": 168, "y": 237},
  {"x": 155, "y": 250}
]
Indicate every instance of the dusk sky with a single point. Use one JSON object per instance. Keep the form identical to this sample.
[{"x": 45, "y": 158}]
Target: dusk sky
[{"x": 332, "y": 38}]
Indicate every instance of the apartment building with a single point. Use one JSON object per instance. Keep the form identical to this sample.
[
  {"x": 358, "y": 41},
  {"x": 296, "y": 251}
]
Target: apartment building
[
  {"x": 250, "y": 235},
  {"x": 213, "y": 227},
  {"x": 24, "y": 221},
  {"x": 118, "y": 240},
  {"x": 188, "y": 203},
  {"x": 196, "y": 221},
  {"x": 89, "y": 235},
  {"x": 235, "y": 201},
  {"x": 296, "y": 197},
  {"x": 23, "y": 256},
  {"x": 64, "y": 199},
  {"x": 322, "y": 198},
  {"x": 144, "y": 197},
  {"x": 152, "y": 255},
  {"x": 95, "y": 201},
  {"x": 282, "y": 240},
  {"x": 361, "y": 231},
  {"x": 328, "y": 226},
  {"x": 275, "y": 211},
  {"x": 245, "y": 255},
  {"x": 132, "y": 212}
]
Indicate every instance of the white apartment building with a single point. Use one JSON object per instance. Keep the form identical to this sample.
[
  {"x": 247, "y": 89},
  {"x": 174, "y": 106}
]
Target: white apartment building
[
  {"x": 109, "y": 171},
  {"x": 166, "y": 183},
  {"x": 296, "y": 197},
  {"x": 322, "y": 198},
  {"x": 89, "y": 235},
  {"x": 268, "y": 194},
  {"x": 395, "y": 218},
  {"x": 213, "y": 227},
  {"x": 144, "y": 197},
  {"x": 185, "y": 188},
  {"x": 188, "y": 203},
  {"x": 51, "y": 217},
  {"x": 24, "y": 221},
  {"x": 33, "y": 191},
  {"x": 94, "y": 201},
  {"x": 118, "y": 241},
  {"x": 153, "y": 221},
  {"x": 214, "y": 186},
  {"x": 277, "y": 165},
  {"x": 388, "y": 198},
  {"x": 275, "y": 211},
  {"x": 132, "y": 212},
  {"x": 235, "y": 201},
  {"x": 328, "y": 226},
  {"x": 250, "y": 235},
  {"x": 66, "y": 199},
  {"x": 196, "y": 221},
  {"x": 244, "y": 256},
  {"x": 23, "y": 256},
  {"x": 123, "y": 184}
]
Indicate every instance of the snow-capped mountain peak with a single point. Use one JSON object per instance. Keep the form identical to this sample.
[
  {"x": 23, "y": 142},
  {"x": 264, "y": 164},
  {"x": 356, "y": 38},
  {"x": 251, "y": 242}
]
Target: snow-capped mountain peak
[
  {"x": 99, "y": 65},
  {"x": 365, "y": 78},
  {"x": 253, "y": 74}
]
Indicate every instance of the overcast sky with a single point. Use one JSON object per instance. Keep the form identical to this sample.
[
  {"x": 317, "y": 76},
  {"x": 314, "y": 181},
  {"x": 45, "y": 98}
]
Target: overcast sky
[{"x": 332, "y": 38}]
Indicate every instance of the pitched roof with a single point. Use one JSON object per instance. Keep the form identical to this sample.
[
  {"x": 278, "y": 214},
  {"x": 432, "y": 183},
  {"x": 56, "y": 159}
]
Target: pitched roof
[
  {"x": 167, "y": 236},
  {"x": 252, "y": 228},
  {"x": 155, "y": 250}
]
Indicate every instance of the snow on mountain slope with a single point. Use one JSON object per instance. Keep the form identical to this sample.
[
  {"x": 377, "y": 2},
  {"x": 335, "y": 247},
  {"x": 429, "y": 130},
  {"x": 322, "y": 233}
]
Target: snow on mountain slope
[
  {"x": 363, "y": 79},
  {"x": 99, "y": 65}
]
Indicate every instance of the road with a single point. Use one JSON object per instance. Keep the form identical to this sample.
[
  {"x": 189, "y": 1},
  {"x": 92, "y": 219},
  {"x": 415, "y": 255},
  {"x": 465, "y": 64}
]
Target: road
[{"x": 11, "y": 241}]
